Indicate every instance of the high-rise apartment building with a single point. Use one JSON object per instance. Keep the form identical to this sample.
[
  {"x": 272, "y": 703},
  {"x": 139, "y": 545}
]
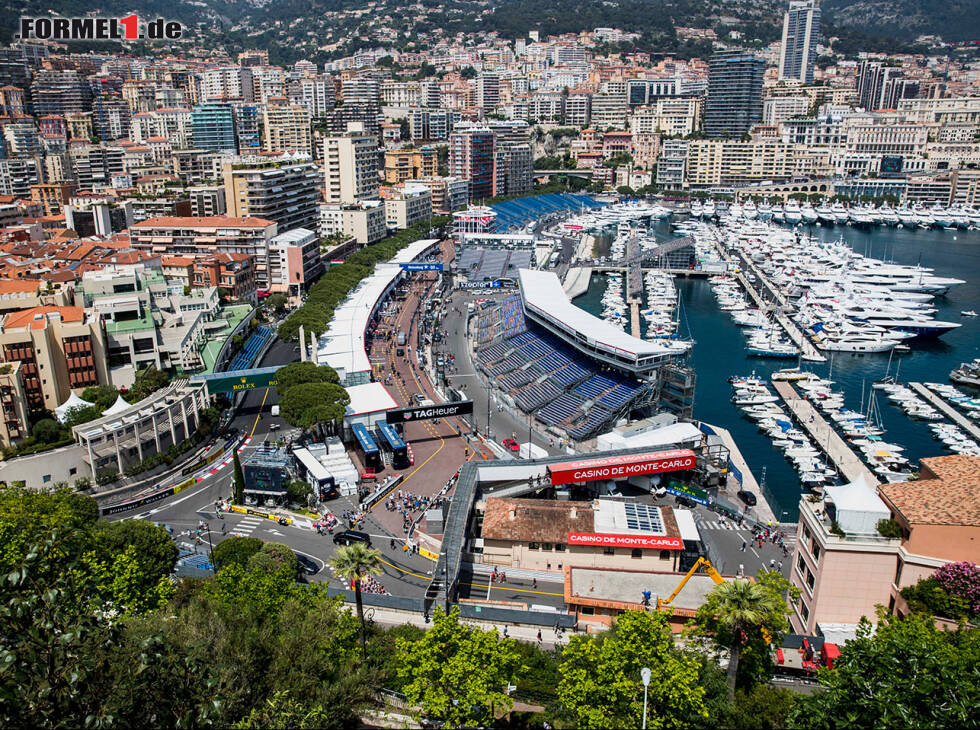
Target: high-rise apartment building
[
  {"x": 801, "y": 32},
  {"x": 402, "y": 165},
  {"x": 350, "y": 166},
  {"x": 431, "y": 124},
  {"x": 286, "y": 128},
  {"x": 883, "y": 87},
  {"x": 213, "y": 128},
  {"x": 734, "y": 103},
  {"x": 488, "y": 91},
  {"x": 280, "y": 189},
  {"x": 60, "y": 92},
  {"x": 471, "y": 157}
]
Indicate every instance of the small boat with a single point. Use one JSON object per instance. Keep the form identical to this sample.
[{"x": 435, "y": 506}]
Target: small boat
[{"x": 968, "y": 313}]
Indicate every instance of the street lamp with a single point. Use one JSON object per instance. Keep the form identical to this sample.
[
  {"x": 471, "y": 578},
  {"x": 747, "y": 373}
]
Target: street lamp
[{"x": 645, "y": 677}]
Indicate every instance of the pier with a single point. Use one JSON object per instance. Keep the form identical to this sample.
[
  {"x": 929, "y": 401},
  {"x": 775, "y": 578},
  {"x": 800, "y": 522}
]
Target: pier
[
  {"x": 635, "y": 319},
  {"x": 843, "y": 458},
  {"x": 947, "y": 410},
  {"x": 763, "y": 511},
  {"x": 807, "y": 349}
]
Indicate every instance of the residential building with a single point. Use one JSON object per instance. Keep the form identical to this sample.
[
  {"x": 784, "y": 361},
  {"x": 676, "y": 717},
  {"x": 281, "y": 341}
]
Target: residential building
[
  {"x": 801, "y": 33},
  {"x": 286, "y": 128},
  {"x": 609, "y": 111},
  {"x": 488, "y": 91},
  {"x": 21, "y": 138},
  {"x": 776, "y": 109},
  {"x": 280, "y": 188},
  {"x": 471, "y": 157},
  {"x": 60, "y": 92},
  {"x": 513, "y": 166},
  {"x": 641, "y": 92},
  {"x": 59, "y": 350},
  {"x": 432, "y": 124},
  {"x": 845, "y": 573},
  {"x": 213, "y": 127},
  {"x": 409, "y": 164},
  {"x": 97, "y": 216},
  {"x": 673, "y": 115},
  {"x": 294, "y": 261},
  {"x": 204, "y": 236},
  {"x": 882, "y": 87},
  {"x": 350, "y": 166},
  {"x": 364, "y": 220},
  {"x": 232, "y": 272},
  {"x": 14, "y": 404},
  {"x": 448, "y": 193},
  {"x": 406, "y": 205},
  {"x": 578, "y": 108},
  {"x": 734, "y": 103},
  {"x": 672, "y": 163},
  {"x": 207, "y": 200},
  {"x": 712, "y": 163},
  {"x": 18, "y": 174}
]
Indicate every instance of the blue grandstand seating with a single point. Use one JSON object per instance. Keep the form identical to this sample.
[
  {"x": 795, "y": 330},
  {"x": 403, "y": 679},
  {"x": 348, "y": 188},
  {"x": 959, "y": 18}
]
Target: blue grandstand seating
[
  {"x": 513, "y": 213},
  {"x": 561, "y": 408},
  {"x": 256, "y": 342}
]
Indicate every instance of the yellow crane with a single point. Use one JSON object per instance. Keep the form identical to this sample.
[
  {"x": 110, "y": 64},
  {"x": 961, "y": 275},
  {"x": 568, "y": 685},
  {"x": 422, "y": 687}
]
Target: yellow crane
[{"x": 708, "y": 568}]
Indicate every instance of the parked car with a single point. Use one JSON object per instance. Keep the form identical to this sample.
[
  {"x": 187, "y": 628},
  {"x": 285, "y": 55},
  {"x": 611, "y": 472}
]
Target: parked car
[
  {"x": 511, "y": 444},
  {"x": 747, "y": 497}
]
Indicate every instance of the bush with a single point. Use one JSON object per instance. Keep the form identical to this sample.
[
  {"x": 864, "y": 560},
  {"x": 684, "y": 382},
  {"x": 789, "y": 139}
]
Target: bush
[
  {"x": 889, "y": 528},
  {"x": 104, "y": 477},
  {"x": 961, "y": 579},
  {"x": 835, "y": 528},
  {"x": 82, "y": 483},
  {"x": 929, "y": 596}
]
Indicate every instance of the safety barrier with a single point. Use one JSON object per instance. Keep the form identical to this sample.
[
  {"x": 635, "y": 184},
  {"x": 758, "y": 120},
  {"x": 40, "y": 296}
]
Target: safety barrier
[{"x": 257, "y": 513}]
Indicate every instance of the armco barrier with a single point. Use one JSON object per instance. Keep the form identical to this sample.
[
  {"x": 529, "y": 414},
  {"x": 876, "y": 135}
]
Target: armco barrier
[
  {"x": 202, "y": 462},
  {"x": 256, "y": 513},
  {"x": 136, "y": 503}
]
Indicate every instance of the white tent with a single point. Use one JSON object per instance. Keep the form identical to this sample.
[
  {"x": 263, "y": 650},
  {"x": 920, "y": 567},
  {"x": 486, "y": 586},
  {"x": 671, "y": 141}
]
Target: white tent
[
  {"x": 74, "y": 401},
  {"x": 859, "y": 508},
  {"x": 120, "y": 406}
]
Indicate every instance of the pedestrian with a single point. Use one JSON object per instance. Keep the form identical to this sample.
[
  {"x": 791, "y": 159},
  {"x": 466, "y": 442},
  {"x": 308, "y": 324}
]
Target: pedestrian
[
  {"x": 539, "y": 636},
  {"x": 506, "y": 635},
  {"x": 741, "y": 569},
  {"x": 772, "y": 563},
  {"x": 503, "y": 577},
  {"x": 534, "y": 582},
  {"x": 780, "y": 566},
  {"x": 391, "y": 544},
  {"x": 744, "y": 545}
]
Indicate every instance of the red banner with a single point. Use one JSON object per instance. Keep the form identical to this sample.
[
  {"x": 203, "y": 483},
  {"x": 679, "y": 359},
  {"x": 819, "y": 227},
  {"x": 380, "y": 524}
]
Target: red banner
[
  {"x": 630, "y": 541},
  {"x": 620, "y": 467}
]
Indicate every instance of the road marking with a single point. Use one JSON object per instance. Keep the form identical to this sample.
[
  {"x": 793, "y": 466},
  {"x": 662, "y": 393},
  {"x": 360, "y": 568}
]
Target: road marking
[
  {"x": 505, "y": 587},
  {"x": 406, "y": 572},
  {"x": 259, "y": 414}
]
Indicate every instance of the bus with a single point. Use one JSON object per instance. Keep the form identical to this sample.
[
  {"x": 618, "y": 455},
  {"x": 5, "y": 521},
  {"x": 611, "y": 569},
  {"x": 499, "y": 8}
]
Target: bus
[
  {"x": 366, "y": 447},
  {"x": 391, "y": 441},
  {"x": 316, "y": 474}
]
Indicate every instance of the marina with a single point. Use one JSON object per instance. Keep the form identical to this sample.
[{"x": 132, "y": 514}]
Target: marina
[
  {"x": 951, "y": 413},
  {"x": 928, "y": 360}
]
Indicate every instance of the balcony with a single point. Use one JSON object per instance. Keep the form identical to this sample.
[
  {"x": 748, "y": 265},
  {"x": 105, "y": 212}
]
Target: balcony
[{"x": 817, "y": 511}]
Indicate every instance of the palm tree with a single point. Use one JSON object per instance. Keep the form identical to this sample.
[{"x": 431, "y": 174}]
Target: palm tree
[
  {"x": 353, "y": 563},
  {"x": 741, "y": 605}
]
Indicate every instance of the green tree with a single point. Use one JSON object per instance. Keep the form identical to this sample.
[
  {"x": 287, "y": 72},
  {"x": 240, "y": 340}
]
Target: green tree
[
  {"x": 239, "y": 480},
  {"x": 600, "y": 676},
  {"x": 299, "y": 373},
  {"x": 298, "y": 491},
  {"x": 457, "y": 673},
  {"x": 148, "y": 381},
  {"x": 277, "y": 302},
  {"x": 156, "y": 552},
  {"x": 282, "y": 712},
  {"x": 762, "y": 708},
  {"x": 625, "y": 190},
  {"x": 311, "y": 405},
  {"x": 743, "y": 616},
  {"x": 903, "y": 673},
  {"x": 28, "y": 516},
  {"x": 235, "y": 551},
  {"x": 47, "y": 431},
  {"x": 352, "y": 563},
  {"x": 468, "y": 72},
  {"x": 101, "y": 396}
]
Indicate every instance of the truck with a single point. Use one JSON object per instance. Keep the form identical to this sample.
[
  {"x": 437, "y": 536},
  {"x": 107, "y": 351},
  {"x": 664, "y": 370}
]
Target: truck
[{"x": 401, "y": 339}]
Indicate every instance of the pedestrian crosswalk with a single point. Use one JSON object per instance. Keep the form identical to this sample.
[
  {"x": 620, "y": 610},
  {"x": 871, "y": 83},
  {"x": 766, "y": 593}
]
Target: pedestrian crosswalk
[
  {"x": 247, "y": 526},
  {"x": 719, "y": 525}
]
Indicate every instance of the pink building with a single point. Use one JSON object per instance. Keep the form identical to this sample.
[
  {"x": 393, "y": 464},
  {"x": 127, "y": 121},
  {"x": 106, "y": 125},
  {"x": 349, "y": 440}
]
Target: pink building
[{"x": 843, "y": 577}]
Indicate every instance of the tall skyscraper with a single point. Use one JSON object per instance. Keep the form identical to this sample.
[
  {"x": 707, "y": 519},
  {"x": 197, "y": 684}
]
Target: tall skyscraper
[
  {"x": 882, "y": 87},
  {"x": 213, "y": 127},
  {"x": 734, "y": 102},
  {"x": 350, "y": 166},
  {"x": 471, "y": 157},
  {"x": 801, "y": 31}
]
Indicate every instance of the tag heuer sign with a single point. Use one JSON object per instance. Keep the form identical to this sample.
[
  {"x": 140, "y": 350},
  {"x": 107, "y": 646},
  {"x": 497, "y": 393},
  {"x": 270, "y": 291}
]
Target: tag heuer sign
[{"x": 423, "y": 413}]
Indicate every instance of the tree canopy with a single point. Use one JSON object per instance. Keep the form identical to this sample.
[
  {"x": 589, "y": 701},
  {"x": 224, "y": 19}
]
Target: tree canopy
[
  {"x": 600, "y": 676},
  {"x": 298, "y": 373},
  {"x": 310, "y": 405}
]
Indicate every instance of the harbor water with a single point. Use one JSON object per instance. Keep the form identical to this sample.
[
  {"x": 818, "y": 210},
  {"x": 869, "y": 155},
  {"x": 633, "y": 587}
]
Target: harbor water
[{"x": 719, "y": 351}]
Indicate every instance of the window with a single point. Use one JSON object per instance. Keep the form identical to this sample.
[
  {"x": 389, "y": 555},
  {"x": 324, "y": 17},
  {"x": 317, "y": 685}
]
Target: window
[
  {"x": 546, "y": 546},
  {"x": 805, "y": 532},
  {"x": 804, "y": 612},
  {"x": 636, "y": 553},
  {"x": 609, "y": 551},
  {"x": 533, "y": 546},
  {"x": 809, "y": 580},
  {"x": 801, "y": 565},
  {"x": 72, "y": 471},
  {"x": 46, "y": 478},
  {"x": 816, "y": 551},
  {"x": 665, "y": 555},
  {"x": 898, "y": 573},
  {"x": 587, "y": 611},
  {"x": 560, "y": 547}
]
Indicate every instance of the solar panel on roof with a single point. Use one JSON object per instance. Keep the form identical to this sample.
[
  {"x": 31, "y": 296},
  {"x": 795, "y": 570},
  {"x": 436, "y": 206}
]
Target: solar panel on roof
[{"x": 644, "y": 517}]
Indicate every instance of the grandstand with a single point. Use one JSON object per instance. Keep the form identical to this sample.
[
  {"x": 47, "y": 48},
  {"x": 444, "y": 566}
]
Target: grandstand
[
  {"x": 251, "y": 348},
  {"x": 546, "y": 376},
  {"x": 520, "y": 211},
  {"x": 478, "y": 264}
]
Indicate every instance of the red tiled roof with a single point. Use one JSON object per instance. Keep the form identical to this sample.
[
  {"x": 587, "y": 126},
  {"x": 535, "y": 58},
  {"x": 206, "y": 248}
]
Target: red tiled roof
[
  {"x": 535, "y": 520},
  {"x": 26, "y": 317},
  {"x": 947, "y": 494},
  {"x": 217, "y": 221}
]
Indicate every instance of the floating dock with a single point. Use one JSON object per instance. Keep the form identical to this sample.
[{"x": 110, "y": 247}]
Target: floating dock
[
  {"x": 825, "y": 438},
  {"x": 947, "y": 410}
]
